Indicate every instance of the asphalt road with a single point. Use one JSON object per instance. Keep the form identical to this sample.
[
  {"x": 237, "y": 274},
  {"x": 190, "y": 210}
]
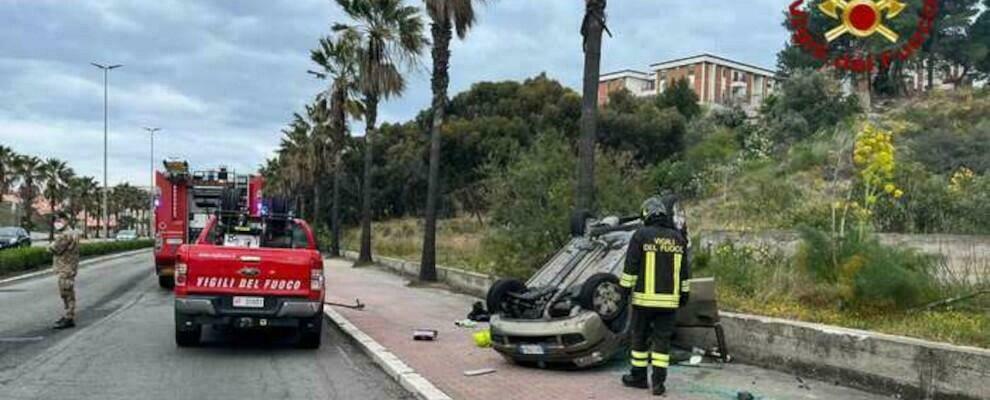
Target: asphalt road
[{"x": 123, "y": 348}]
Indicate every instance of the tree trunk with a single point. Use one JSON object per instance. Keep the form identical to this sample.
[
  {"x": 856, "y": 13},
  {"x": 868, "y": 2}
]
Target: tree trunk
[
  {"x": 441, "y": 31},
  {"x": 335, "y": 208},
  {"x": 930, "y": 69},
  {"x": 591, "y": 29},
  {"x": 316, "y": 201},
  {"x": 371, "y": 114}
]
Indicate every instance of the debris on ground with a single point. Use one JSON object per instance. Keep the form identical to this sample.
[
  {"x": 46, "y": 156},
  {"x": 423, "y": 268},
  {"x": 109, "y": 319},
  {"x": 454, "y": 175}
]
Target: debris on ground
[
  {"x": 356, "y": 306},
  {"x": 478, "y": 313},
  {"x": 745, "y": 396},
  {"x": 465, "y": 323},
  {"x": 802, "y": 384},
  {"x": 425, "y": 334},
  {"x": 482, "y": 371}
]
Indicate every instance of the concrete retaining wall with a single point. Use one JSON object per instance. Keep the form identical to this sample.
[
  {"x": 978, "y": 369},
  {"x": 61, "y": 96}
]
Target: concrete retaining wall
[{"x": 888, "y": 364}]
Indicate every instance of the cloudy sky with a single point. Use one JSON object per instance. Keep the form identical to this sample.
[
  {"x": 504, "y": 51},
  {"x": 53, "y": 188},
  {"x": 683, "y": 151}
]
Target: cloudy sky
[{"x": 222, "y": 77}]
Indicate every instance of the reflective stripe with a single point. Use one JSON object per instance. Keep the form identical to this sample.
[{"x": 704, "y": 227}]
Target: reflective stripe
[
  {"x": 685, "y": 286},
  {"x": 651, "y": 265},
  {"x": 677, "y": 272},
  {"x": 655, "y": 303},
  {"x": 640, "y": 355},
  {"x": 660, "y": 360},
  {"x": 639, "y": 363},
  {"x": 655, "y": 297},
  {"x": 627, "y": 281}
]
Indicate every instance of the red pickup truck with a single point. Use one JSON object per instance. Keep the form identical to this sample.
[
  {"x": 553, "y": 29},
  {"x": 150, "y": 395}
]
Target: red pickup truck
[{"x": 250, "y": 272}]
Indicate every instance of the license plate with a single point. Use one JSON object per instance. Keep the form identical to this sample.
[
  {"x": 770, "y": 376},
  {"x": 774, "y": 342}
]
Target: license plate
[
  {"x": 249, "y": 302},
  {"x": 531, "y": 349}
]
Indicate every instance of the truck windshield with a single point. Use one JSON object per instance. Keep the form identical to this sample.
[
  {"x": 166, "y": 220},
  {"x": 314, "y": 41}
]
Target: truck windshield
[{"x": 278, "y": 233}]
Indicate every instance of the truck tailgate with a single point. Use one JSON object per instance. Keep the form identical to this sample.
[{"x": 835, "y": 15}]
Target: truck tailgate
[{"x": 239, "y": 270}]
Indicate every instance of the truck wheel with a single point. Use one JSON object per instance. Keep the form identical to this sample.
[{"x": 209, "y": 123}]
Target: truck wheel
[
  {"x": 310, "y": 337},
  {"x": 166, "y": 282},
  {"x": 499, "y": 290},
  {"x": 602, "y": 294},
  {"x": 579, "y": 220},
  {"x": 188, "y": 338}
]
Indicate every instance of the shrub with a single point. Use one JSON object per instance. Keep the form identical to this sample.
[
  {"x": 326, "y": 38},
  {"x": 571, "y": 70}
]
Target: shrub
[
  {"x": 865, "y": 273},
  {"x": 807, "y": 102},
  {"x": 755, "y": 272},
  {"x": 532, "y": 202},
  {"x": 22, "y": 259}
]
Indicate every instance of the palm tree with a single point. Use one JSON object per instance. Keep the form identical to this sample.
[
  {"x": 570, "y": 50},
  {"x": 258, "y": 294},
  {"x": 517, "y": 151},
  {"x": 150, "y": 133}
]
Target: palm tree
[
  {"x": 319, "y": 142},
  {"x": 591, "y": 30},
  {"x": 28, "y": 175},
  {"x": 338, "y": 59},
  {"x": 56, "y": 175},
  {"x": 390, "y": 34},
  {"x": 82, "y": 199},
  {"x": 7, "y": 157},
  {"x": 294, "y": 159},
  {"x": 446, "y": 15}
]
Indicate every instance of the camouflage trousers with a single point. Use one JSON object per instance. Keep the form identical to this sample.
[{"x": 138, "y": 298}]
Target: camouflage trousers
[{"x": 67, "y": 290}]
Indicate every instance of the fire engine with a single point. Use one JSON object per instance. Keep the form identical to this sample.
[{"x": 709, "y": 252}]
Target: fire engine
[{"x": 185, "y": 200}]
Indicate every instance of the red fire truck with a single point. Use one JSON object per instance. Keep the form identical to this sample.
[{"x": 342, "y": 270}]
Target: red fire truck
[{"x": 185, "y": 200}]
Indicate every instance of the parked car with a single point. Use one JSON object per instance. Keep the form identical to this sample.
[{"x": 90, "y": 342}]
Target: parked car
[
  {"x": 250, "y": 273},
  {"x": 12, "y": 237},
  {"x": 571, "y": 310},
  {"x": 128, "y": 234}
]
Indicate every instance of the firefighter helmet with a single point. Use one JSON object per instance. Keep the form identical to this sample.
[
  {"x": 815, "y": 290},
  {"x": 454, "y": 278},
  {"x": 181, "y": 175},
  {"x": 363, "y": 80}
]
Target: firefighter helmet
[{"x": 654, "y": 210}]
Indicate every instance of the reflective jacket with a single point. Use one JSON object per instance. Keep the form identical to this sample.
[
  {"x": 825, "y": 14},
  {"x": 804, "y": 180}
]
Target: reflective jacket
[{"x": 657, "y": 269}]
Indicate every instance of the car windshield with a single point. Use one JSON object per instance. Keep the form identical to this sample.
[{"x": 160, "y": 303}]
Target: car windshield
[
  {"x": 126, "y": 233},
  {"x": 8, "y": 232}
]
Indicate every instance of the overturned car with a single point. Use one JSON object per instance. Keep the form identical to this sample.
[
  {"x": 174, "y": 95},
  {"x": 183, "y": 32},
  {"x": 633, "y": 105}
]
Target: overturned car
[{"x": 572, "y": 312}]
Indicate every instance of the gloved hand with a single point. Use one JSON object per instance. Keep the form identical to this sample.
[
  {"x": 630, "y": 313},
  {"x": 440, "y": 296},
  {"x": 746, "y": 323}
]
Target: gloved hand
[{"x": 685, "y": 296}]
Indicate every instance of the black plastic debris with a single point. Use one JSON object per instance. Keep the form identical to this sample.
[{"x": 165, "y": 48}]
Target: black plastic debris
[
  {"x": 478, "y": 313},
  {"x": 425, "y": 334},
  {"x": 745, "y": 396}
]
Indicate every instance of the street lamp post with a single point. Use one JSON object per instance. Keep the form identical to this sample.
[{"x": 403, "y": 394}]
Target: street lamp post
[
  {"x": 151, "y": 189},
  {"x": 106, "y": 212}
]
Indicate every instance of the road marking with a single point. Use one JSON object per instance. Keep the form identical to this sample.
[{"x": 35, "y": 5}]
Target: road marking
[{"x": 21, "y": 339}]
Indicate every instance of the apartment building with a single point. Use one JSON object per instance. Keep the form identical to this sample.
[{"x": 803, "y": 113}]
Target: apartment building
[{"x": 716, "y": 80}]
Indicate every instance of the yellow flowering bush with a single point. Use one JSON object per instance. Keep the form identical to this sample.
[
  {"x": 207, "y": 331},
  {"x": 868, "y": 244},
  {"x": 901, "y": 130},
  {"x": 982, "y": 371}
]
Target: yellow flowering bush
[
  {"x": 961, "y": 179},
  {"x": 873, "y": 157}
]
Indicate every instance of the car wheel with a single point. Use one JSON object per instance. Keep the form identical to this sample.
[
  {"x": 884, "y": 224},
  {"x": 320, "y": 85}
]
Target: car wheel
[
  {"x": 310, "y": 337},
  {"x": 498, "y": 292},
  {"x": 166, "y": 282},
  {"x": 602, "y": 294},
  {"x": 579, "y": 221}
]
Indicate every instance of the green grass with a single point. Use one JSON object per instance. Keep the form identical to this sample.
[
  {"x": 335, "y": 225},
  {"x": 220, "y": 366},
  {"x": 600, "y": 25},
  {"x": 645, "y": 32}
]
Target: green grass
[
  {"x": 458, "y": 241},
  {"x": 13, "y": 261}
]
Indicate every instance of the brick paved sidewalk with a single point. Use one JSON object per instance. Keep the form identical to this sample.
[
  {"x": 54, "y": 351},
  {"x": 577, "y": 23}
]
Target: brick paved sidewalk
[{"x": 394, "y": 309}]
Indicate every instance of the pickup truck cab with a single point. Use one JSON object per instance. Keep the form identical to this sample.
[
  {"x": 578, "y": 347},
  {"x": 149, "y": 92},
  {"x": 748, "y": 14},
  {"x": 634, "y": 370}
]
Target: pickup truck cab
[{"x": 250, "y": 273}]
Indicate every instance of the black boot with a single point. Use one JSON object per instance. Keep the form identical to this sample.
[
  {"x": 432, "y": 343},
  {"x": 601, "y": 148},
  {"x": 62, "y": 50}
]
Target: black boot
[
  {"x": 635, "y": 378},
  {"x": 659, "y": 378},
  {"x": 64, "y": 323}
]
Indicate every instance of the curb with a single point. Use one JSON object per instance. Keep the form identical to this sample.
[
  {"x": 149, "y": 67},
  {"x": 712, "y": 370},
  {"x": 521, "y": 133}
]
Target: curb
[
  {"x": 402, "y": 373},
  {"x": 82, "y": 263}
]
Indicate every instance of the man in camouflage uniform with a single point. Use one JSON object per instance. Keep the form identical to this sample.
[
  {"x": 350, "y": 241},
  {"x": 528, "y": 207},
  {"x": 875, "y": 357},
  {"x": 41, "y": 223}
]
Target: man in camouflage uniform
[{"x": 65, "y": 259}]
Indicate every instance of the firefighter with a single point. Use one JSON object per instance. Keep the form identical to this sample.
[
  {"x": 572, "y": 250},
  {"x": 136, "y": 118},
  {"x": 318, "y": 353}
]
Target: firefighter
[
  {"x": 656, "y": 273},
  {"x": 65, "y": 260}
]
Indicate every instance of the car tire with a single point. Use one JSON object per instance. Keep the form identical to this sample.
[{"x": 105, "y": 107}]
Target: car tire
[
  {"x": 166, "y": 282},
  {"x": 499, "y": 290},
  {"x": 602, "y": 294},
  {"x": 579, "y": 222},
  {"x": 310, "y": 338},
  {"x": 189, "y": 336}
]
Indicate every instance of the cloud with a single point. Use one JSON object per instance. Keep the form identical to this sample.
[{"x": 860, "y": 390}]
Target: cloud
[{"x": 221, "y": 78}]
